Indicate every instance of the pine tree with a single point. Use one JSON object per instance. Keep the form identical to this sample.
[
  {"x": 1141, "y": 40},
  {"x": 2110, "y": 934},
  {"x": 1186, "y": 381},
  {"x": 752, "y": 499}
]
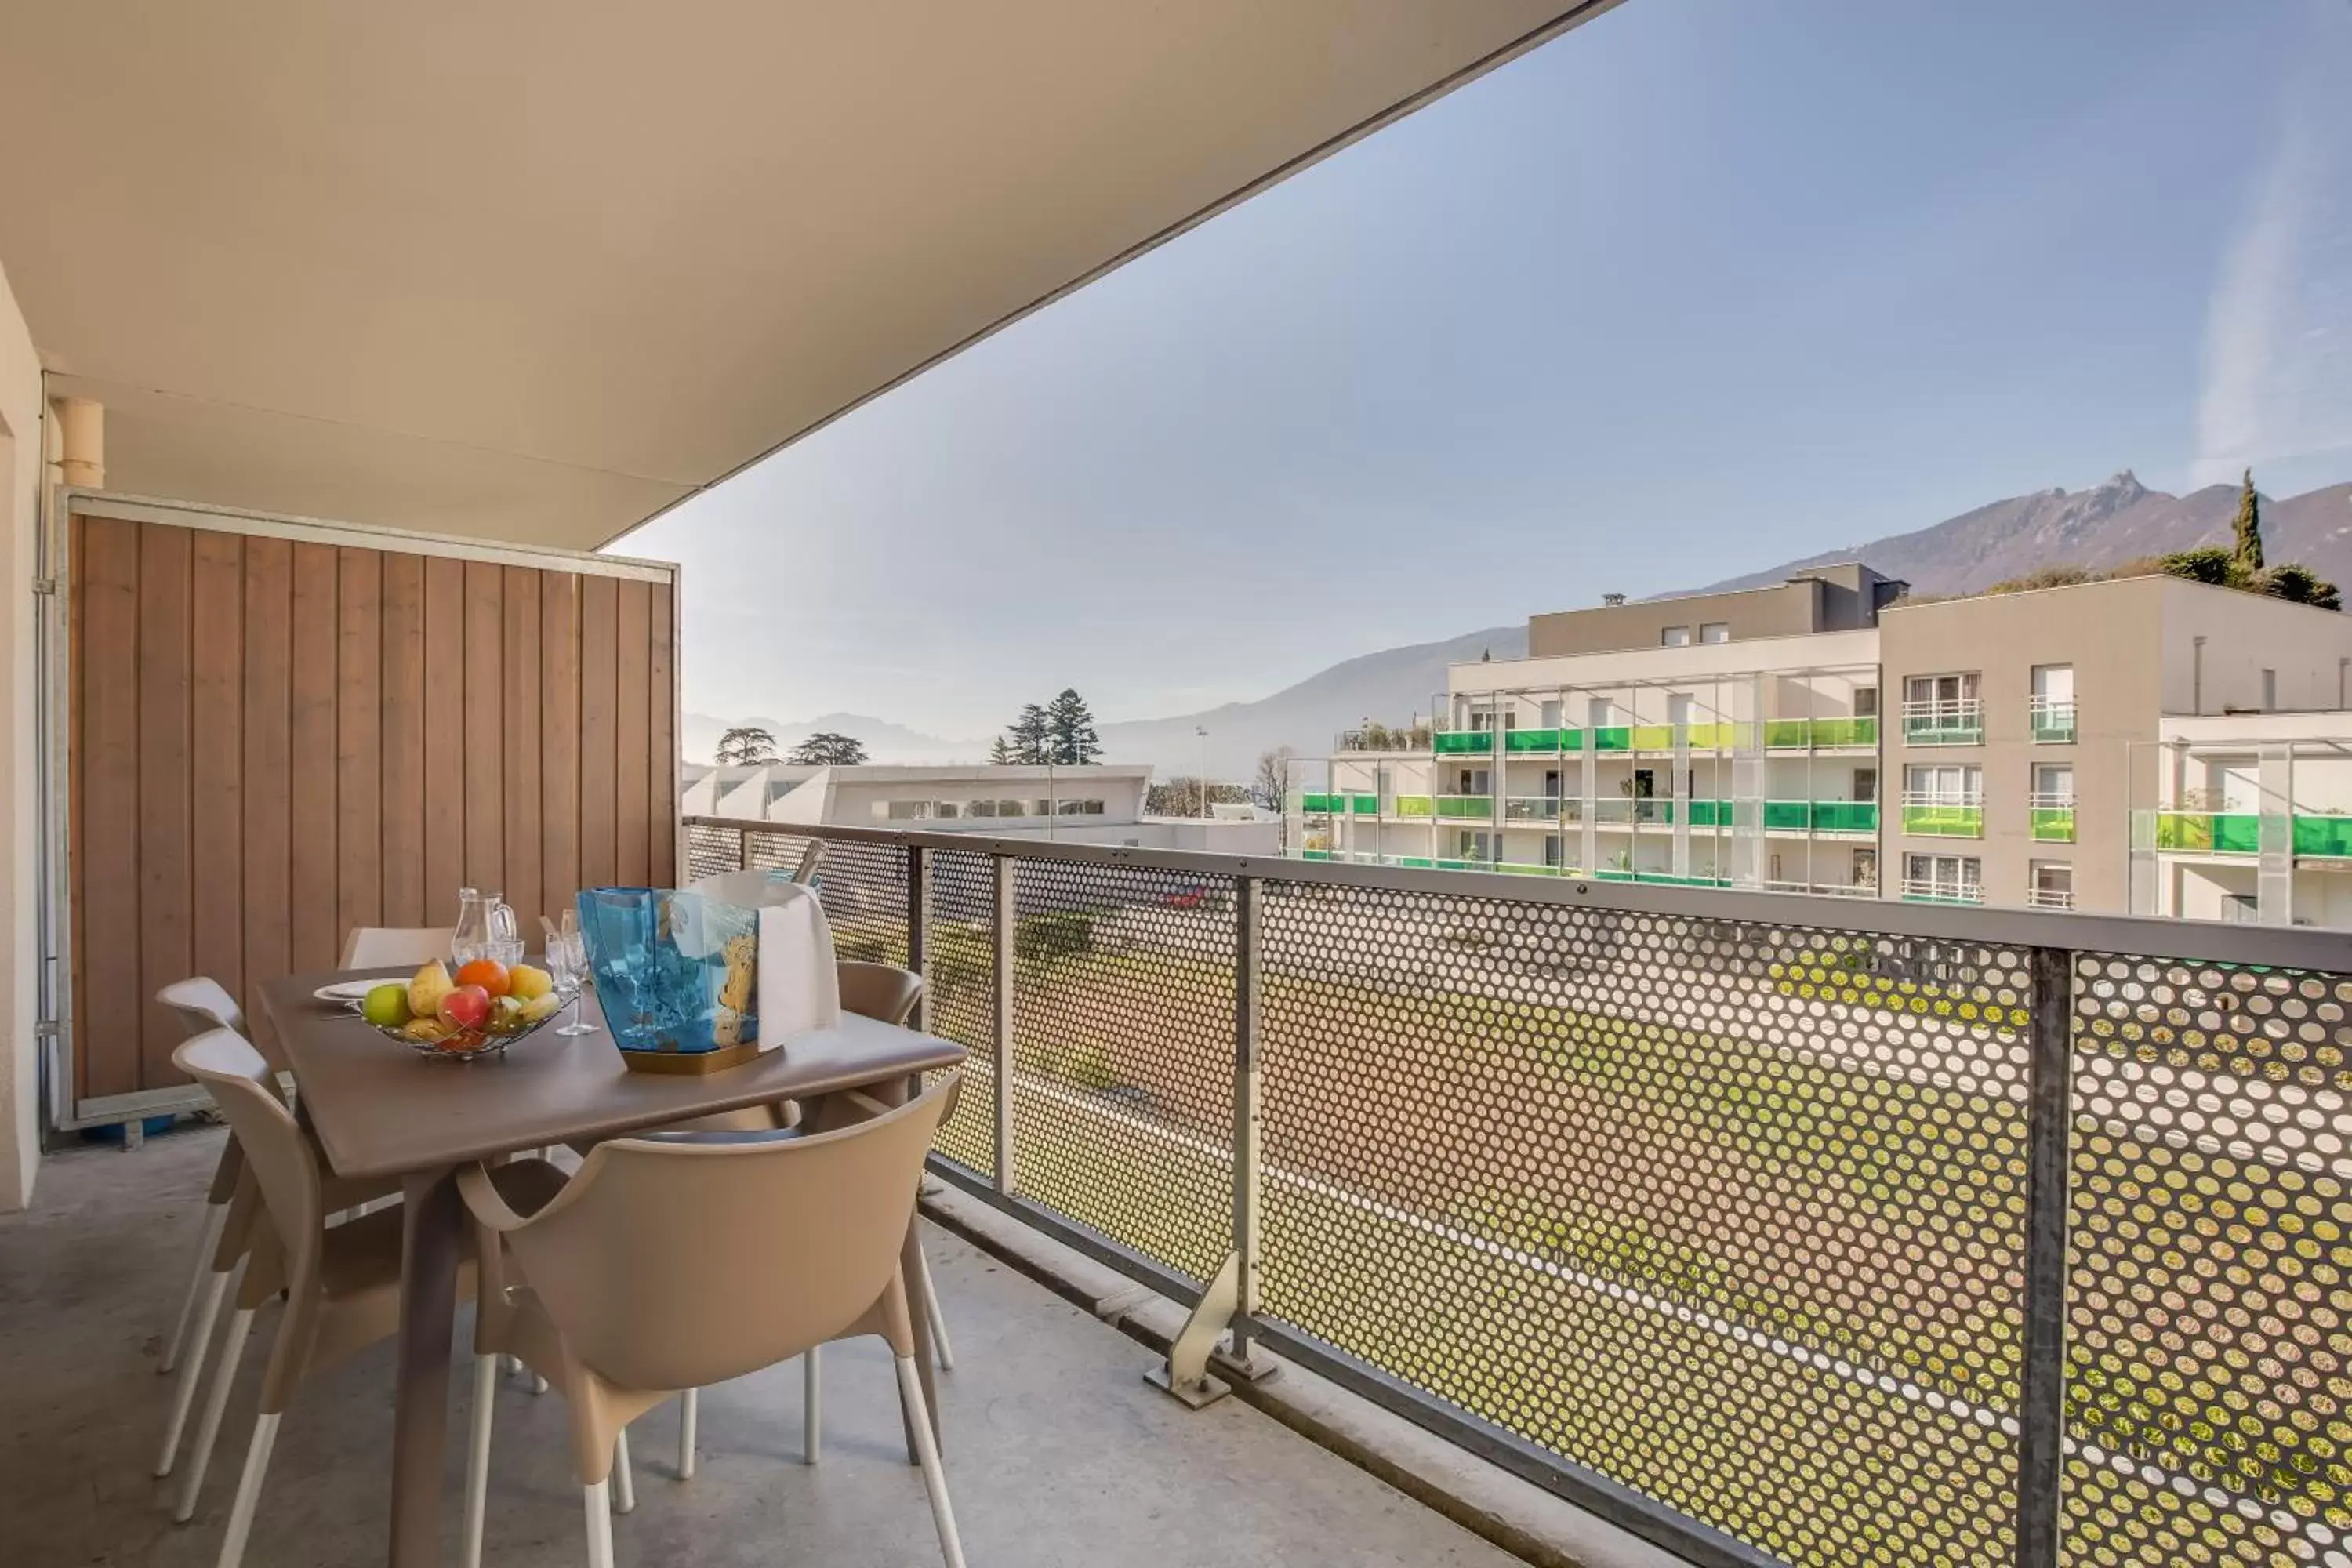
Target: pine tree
[
  {"x": 1070, "y": 730},
  {"x": 1031, "y": 735},
  {"x": 1000, "y": 752},
  {"x": 2246, "y": 552}
]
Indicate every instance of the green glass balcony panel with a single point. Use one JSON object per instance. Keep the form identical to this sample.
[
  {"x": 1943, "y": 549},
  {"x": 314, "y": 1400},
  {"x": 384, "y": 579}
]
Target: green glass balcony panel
[
  {"x": 1318, "y": 804},
  {"x": 1468, "y": 808},
  {"x": 2053, "y": 824},
  {"x": 1612, "y": 738},
  {"x": 1710, "y": 814},
  {"x": 2238, "y": 835},
  {"x": 1944, "y": 821},
  {"x": 2327, "y": 836},
  {"x": 1364, "y": 804},
  {"x": 1466, "y": 742},
  {"x": 1712, "y": 737},
  {"x": 1423, "y": 861},
  {"x": 1788, "y": 816},
  {"x": 1845, "y": 816},
  {"x": 1654, "y": 737},
  {"x": 1541, "y": 741},
  {"x": 1861, "y": 730},
  {"x": 1412, "y": 805},
  {"x": 1465, "y": 866},
  {"x": 2054, "y": 729},
  {"x": 1784, "y": 733},
  {"x": 1524, "y": 868},
  {"x": 1943, "y": 730}
]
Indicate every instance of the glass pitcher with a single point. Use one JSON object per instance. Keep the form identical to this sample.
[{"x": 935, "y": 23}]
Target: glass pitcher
[{"x": 470, "y": 937}]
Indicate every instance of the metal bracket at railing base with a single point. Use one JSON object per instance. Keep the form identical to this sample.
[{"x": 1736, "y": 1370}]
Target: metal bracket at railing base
[{"x": 1200, "y": 1343}]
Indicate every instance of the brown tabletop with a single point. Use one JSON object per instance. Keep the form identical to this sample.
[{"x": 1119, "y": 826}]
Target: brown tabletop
[{"x": 381, "y": 1109}]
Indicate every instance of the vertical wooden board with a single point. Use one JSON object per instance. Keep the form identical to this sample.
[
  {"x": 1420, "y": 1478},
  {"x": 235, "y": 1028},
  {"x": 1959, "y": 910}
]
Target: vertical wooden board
[
  {"x": 445, "y": 738},
  {"x": 599, "y": 604},
  {"x": 485, "y": 755},
  {"x": 661, "y": 748},
  {"x": 402, "y": 743},
  {"x": 166, "y": 952},
  {"x": 559, "y": 731},
  {"x": 313, "y": 905},
  {"x": 106, "y": 660},
  {"x": 77, "y": 993},
  {"x": 268, "y": 758},
  {"x": 217, "y": 761},
  {"x": 632, "y": 730},
  {"x": 519, "y": 677},
  {"x": 359, "y": 739}
]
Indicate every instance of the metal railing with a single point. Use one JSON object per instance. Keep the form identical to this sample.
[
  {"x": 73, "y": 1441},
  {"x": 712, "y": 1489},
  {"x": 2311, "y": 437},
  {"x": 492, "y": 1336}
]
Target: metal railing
[
  {"x": 2051, "y": 720},
  {"x": 1944, "y": 721},
  {"x": 1942, "y": 891},
  {"x": 1943, "y": 814},
  {"x": 1775, "y": 1229},
  {"x": 2042, "y": 898}
]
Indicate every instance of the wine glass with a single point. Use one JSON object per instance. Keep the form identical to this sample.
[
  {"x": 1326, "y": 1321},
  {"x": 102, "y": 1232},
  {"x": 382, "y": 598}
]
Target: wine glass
[{"x": 567, "y": 965}]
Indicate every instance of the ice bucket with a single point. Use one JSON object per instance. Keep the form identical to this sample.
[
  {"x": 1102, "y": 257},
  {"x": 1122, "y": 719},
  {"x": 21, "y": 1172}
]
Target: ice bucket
[{"x": 678, "y": 975}]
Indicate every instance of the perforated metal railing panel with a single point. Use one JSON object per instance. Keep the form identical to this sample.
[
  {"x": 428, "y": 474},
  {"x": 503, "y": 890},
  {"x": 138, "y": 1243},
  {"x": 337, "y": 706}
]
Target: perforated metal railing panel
[
  {"x": 711, "y": 850},
  {"x": 2209, "y": 1356},
  {"x": 1123, "y": 1054},
  {"x": 1713, "y": 1210},
  {"x": 959, "y": 978}
]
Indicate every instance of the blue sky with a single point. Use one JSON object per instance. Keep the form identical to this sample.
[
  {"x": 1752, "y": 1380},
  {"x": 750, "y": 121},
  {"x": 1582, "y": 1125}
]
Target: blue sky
[{"x": 1704, "y": 285}]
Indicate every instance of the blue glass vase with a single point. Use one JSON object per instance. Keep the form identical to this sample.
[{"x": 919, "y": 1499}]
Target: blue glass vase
[{"x": 675, "y": 973}]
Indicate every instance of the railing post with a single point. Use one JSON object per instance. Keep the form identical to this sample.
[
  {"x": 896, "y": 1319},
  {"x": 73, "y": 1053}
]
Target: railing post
[
  {"x": 1248, "y": 1167},
  {"x": 918, "y": 925},
  {"x": 1001, "y": 869},
  {"x": 2041, "y": 1415}
]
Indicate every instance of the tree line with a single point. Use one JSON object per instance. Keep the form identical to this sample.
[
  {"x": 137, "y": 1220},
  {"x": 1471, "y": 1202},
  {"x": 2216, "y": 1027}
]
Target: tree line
[
  {"x": 1060, "y": 733},
  {"x": 749, "y": 744}
]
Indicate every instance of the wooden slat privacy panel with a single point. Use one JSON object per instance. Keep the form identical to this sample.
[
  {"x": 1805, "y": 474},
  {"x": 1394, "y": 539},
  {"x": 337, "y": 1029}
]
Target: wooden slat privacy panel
[{"x": 275, "y": 740}]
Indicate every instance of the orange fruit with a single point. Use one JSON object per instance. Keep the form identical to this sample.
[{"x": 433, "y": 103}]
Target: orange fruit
[{"x": 486, "y": 973}]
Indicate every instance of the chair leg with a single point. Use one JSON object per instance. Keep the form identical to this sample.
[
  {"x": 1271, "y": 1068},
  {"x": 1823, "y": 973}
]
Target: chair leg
[
  {"x": 192, "y": 1370},
  {"x": 689, "y": 1407},
  {"x": 200, "y": 1456},
  {"x": 207, "y": 1243},
  {"x": 939, "y": 1320},
  {"x": 477, "y": 1456},
  {"x": 812, "y": 1404},
  {"x": 624, "y": 1485},
  {"x": 248, "y": 1490},
  {"x": 926, "y": 1453},
  {"x": 597, "y": 1504}
]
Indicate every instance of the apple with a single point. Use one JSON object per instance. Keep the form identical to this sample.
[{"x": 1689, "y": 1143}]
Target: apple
[{"x": 464, "y": 1007}]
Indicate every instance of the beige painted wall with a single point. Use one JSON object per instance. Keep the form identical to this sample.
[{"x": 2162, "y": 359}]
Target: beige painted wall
[
  {"x": 2244, "y": 635},
  {"x": 20, "y": 474}
]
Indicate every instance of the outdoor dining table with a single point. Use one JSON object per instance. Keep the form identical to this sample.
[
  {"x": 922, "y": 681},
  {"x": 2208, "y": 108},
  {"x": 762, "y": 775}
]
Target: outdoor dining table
[{"x": 381, "y": 1110}]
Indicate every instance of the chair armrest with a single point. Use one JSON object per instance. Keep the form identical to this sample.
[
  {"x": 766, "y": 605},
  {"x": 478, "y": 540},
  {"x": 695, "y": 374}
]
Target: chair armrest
[{"x": 487, "y": 1205}]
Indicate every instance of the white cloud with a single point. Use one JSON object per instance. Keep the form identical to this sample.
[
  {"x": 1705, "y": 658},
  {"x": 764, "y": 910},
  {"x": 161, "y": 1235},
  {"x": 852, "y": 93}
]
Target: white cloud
[{"x": 2278, "y": 328}]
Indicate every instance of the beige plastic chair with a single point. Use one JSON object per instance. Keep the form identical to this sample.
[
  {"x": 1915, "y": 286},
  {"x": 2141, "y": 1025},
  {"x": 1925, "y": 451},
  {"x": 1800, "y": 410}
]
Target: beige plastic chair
[
  {"x": 341, "y": 1283},
  {"x": 381, "y": 947},
  {"x": 232, "y": 1209},
  {"x": 674, "y": 1261}
]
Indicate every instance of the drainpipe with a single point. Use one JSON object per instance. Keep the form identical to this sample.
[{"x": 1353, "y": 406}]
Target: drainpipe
[
  {"x": 81, "y": 442},
  {"x": 2196, "y": 675}
]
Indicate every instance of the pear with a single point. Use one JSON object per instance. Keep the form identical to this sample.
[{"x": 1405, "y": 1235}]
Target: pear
[{"x": 424, "y": 991}]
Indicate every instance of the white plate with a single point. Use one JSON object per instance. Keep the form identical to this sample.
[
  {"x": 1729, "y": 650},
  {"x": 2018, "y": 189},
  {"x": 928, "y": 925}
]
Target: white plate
[{"x": 346, "y": 993}]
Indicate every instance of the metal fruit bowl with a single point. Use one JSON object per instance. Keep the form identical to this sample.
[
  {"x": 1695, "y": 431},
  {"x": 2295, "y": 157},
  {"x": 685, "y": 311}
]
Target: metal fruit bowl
[{"x": 466, "y": 1045}]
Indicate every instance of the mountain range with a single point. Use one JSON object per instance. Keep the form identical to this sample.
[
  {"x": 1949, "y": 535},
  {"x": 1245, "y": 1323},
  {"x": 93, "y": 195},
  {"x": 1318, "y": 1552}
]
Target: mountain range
[{"x": 2119, "y": 521}]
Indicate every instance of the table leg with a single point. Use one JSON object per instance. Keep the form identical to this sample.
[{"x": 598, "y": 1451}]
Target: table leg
[{"x": 429, "y": 1237}]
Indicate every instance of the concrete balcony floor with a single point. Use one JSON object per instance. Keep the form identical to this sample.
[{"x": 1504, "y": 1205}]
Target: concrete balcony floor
[{"x": 1058, "y": 1453}]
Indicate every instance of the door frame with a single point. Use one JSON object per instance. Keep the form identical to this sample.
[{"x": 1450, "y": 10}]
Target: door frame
[{"x": 54, "y": 1024}]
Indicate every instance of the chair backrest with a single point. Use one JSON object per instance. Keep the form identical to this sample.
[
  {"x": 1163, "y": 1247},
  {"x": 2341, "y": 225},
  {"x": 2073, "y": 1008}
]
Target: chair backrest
[
  {"x": 678, "y": 1264},
  {"x": 381, "y": 947},
  {"x": 878, "y": 990},
  {"x": 203, "y": 1005},
  {"x": 238, "y": 1079}
]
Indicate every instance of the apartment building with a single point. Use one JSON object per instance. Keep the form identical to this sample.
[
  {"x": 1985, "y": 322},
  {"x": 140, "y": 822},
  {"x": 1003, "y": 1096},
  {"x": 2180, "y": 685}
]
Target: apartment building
[{"x": 1826, "y": 735}]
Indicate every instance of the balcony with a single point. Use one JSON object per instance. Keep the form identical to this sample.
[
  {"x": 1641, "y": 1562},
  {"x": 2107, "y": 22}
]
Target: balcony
[
  {"x": 2314, "y": 835},
  {"x": 1464, "y": 743},
  {"x": 1466, "y": 807},
  {"x": 2050, "y": 818},
  {"x": 1956, "y": 721},
  {"x": 1805, "y": 1250},
  {"x": 1549, "y": 810},
  {"x": 1932, "y": 815},
  {"x": 2050, "y": 898},
  {"x": 1346, "y": 802},
  {"x": 2052, "y": 721}
]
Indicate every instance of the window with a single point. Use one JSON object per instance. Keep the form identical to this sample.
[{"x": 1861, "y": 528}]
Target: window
[
  {"x": 1865, "y": 784},
  {"x": 1943, "y": 784},
  {"x": 1473, "y": 781},
  {"x": 1865, "y": 701},
  {"x": 2054, "y": 784},
  {"x": 2052, "y": 886},
  {"x": 1866, "y": 867},
  {"x": 908, "y": 810},
  {"x": 1471, "y": 846},
  {"x": 1942, "y": 710},
  {"x": 1551, "y": 714},
  {"x": 1011, "y": 808},
  {"x": 1081, "y": 808},
  {"x": 1943, "y": 878},
  {"x": 1940, "y": 689},
  {"x": 2270, "y": 691},
  {"x": 1551, "y": 849},
  {"x": 1715, "y": 631},
  {"x": 1039, "y": 808},
  {"x": 947, "y": 809},
  {"x": 2052, "y": 709},
  {"x": 1674, "y": 636}
]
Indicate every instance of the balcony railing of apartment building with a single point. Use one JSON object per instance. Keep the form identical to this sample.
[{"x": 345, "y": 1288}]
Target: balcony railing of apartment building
[
  {"x": 1934, "y": 815},
  {"x": 2049, "y": 898},
  {"x": 1774, "y": 734},
  {"x": 1940, "y": 890},
  {"x": 1944, "y": 721},
  {"x": 2051, "y": 817},
  {"x": 1778, "y": 1230},
  {"x": 1381, "y": 738},
  {"x": 2316, "y": 836},
  {"x": 2051, "y": 720},
  {"x": 1842, "y": 817}
]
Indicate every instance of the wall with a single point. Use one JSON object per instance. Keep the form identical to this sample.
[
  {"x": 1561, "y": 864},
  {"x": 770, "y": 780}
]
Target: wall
[
  {"x": 21, "y": 432},
  {"x": 2245, "y": 634},
  {"x": 1789, "y": 610}
]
